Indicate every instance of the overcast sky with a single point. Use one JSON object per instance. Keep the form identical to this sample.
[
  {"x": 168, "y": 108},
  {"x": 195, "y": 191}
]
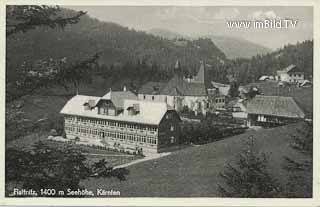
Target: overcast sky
[{"x": 211, "y": 20}]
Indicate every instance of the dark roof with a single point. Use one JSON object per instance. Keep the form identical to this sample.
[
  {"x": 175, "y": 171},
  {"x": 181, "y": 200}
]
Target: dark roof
[
  {"x": 275, "y": 106},
  {"x": 152, "y": 88},
  {"x": 177, "y": 86},
  {"x": 182, "y": 87},
  {"x": 292, "y": 69}
]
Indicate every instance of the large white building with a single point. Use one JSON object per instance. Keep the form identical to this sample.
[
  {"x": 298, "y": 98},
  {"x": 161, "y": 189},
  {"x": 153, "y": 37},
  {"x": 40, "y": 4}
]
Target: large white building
[{"x": 115, "y": 121}]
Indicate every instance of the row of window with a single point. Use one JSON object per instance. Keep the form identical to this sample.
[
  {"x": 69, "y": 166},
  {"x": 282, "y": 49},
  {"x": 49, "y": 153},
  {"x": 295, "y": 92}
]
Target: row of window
[
  {"x": 111, "y": 123},
  {"x": 295, "y": 75},
  {"x": 262, "y": 118},
  {"x": 113, "y": 135},
  {"x": 152, "y": 97},
  {"x": 219, "y": 100}
]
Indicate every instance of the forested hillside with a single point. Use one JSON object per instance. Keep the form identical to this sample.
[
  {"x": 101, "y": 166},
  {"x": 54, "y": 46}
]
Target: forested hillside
[
  {"x": 126, "y": 53},
  {"x": 116, "y": 44}
]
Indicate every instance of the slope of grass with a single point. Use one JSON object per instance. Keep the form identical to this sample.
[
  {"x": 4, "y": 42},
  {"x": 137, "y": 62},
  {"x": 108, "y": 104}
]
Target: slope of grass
[{"x": 195, "y": 171}]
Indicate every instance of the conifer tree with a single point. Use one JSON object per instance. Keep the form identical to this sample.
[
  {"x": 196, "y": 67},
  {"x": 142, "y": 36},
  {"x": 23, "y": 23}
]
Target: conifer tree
[{"x": 250, "y": 177}]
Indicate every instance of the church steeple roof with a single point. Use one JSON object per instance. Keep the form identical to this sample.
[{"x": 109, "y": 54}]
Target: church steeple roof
[
  {"x": 177, "y": 66},
  {"x": 200, "y": 77}
]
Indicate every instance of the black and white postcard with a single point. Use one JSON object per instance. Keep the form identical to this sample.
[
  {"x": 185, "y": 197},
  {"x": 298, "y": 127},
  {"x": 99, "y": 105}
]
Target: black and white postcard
[{"x": 192, "y": 103}]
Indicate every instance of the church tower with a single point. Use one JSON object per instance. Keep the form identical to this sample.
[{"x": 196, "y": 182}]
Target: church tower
[
  {"x": 177, "y": 69},
  {"x": 202, "y": 75}
]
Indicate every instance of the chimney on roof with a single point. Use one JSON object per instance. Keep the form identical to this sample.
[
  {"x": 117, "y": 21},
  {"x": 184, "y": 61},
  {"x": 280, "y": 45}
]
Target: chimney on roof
[{"x": 124, "y": 88}]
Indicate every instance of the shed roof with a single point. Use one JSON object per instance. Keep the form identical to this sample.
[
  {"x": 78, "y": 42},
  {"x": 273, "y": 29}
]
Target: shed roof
[{"x": 275, "y": 106}]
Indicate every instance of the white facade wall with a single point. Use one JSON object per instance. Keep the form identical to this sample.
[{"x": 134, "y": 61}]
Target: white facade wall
[
  {"x": 147, "y": 97},
  {"x": 196, "y": 102},
  {"x": 178, "y": 102},
  {"x": 292, "y": 77},
  {"x": 284, "y": 77}
]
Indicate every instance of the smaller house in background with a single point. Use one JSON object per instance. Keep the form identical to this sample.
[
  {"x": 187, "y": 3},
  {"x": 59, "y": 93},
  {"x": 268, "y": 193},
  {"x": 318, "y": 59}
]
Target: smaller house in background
[
  {"x": 273, "y": 111},
  {"x": 291, "y": 74}
]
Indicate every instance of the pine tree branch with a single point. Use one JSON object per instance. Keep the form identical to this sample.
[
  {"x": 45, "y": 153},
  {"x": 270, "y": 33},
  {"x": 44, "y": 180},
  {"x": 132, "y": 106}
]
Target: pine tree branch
[{"x": 39, "y": 17}]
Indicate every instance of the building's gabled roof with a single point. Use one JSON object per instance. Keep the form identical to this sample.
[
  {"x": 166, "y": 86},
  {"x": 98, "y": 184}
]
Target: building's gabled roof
[
  {"x": 275, "y": 106},
  {"x": 177, "y": 86},
  {"x": 152, "y": 88},
  {"x": 290, "y": 69},
  {"x": 293, "y": 69},
  {"x": 184, "y": 87},
  {"x": 118, "y": 97},
  {"x": 149, "y": 112},
  {"x": 76, "y": 104}
]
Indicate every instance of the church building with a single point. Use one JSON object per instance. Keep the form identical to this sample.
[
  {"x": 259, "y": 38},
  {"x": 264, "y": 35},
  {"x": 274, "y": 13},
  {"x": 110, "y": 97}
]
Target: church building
[{"x": 195, "y": 93}]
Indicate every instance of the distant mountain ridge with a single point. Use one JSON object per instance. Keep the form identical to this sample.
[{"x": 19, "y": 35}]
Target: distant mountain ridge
[
  {"x": 238, "y": 48},
  {"x": 116, "y": 43},
  {"x": 232, "y": 47}
]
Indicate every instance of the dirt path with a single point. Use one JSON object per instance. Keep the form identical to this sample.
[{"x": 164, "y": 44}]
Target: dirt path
[
  {"x": 108, "y": 155},
  {"x": 146, "y": 158}
]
